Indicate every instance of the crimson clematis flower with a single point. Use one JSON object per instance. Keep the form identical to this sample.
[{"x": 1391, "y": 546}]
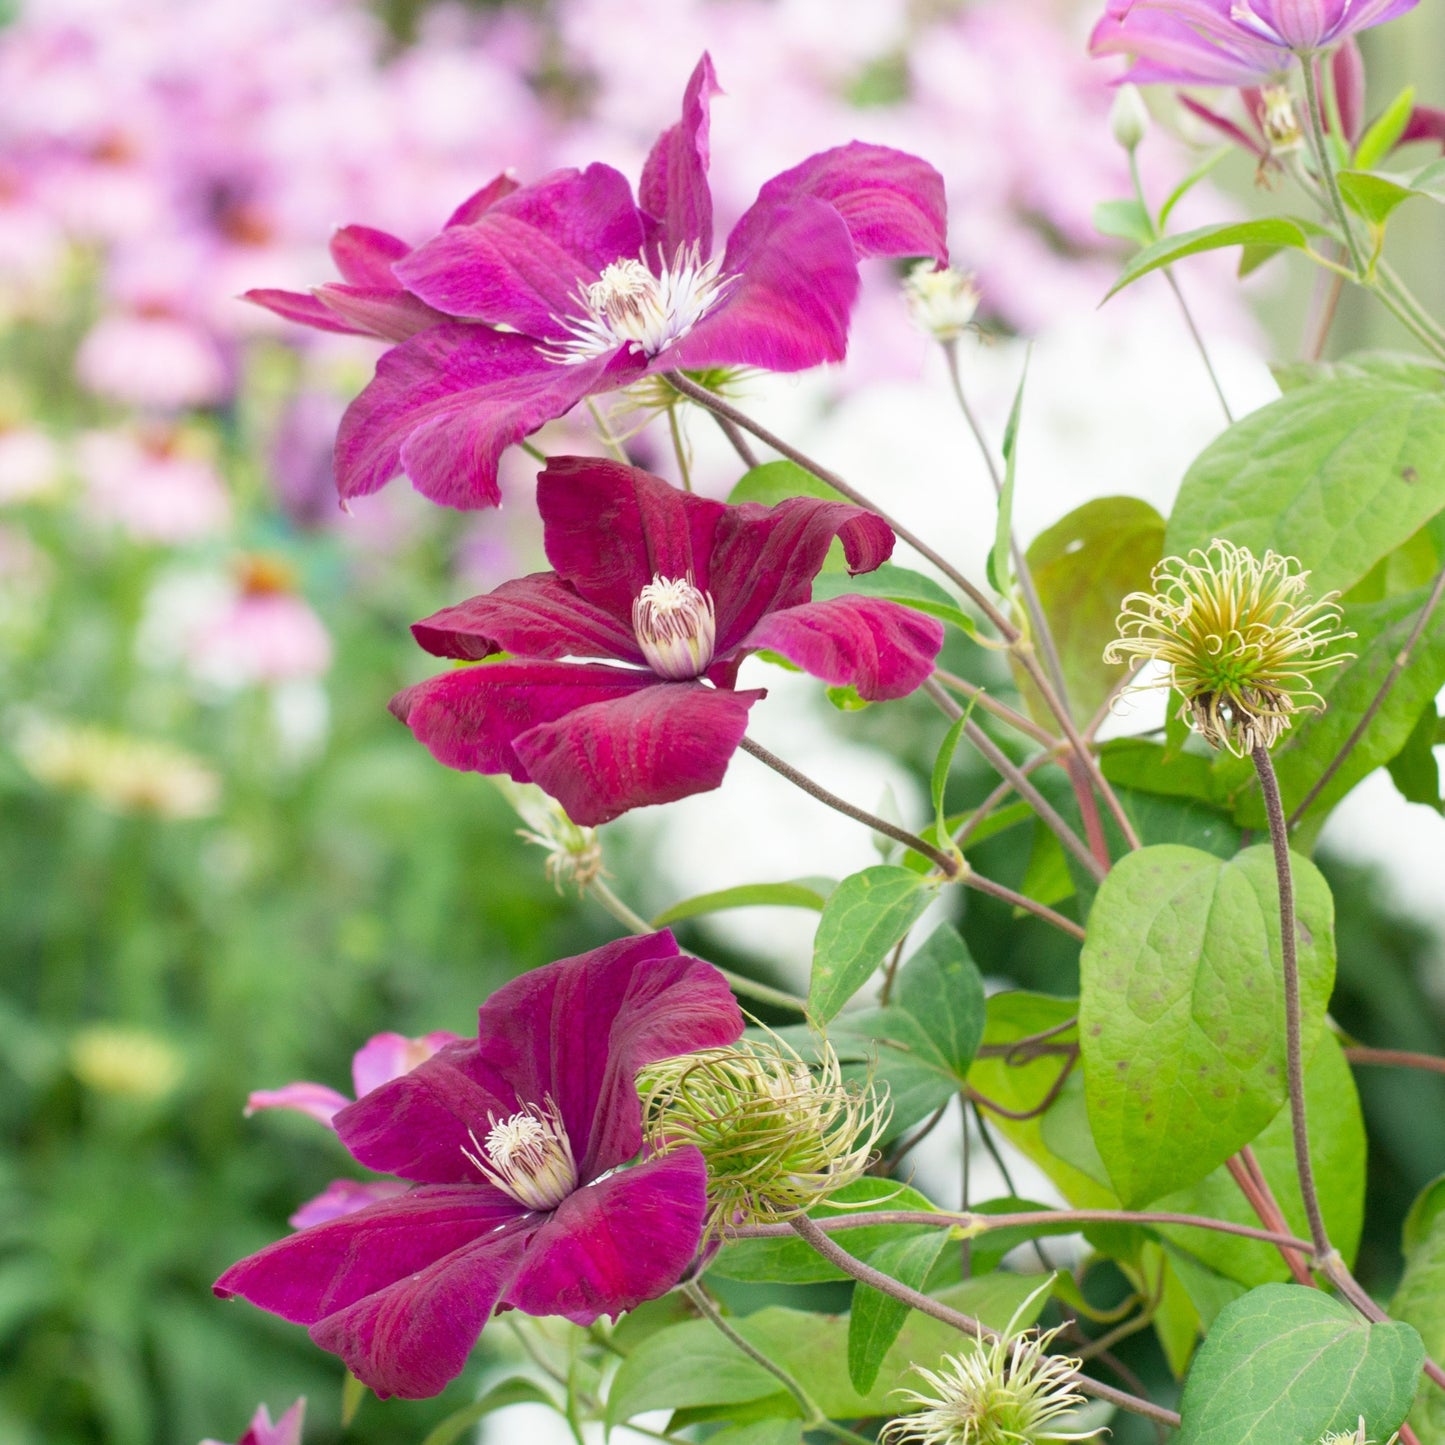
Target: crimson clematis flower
[
  {"x": 515, "y": 1143},
  {"x": 286, "y": 1431},
  {"x": 537, "y": 296},
  {"x": 1230, "y": 42},
  {"x": 678, "y": 589}
]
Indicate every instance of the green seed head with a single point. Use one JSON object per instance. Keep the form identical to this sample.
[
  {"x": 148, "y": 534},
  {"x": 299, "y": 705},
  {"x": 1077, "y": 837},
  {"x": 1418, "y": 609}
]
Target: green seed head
[
  {"x": 1239, "y": 638},
  {"x": 778, "y": 1136}
]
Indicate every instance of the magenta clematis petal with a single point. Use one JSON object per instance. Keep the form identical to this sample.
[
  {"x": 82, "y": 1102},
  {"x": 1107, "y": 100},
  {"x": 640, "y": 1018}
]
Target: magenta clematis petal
[
  {"x": 480, "y": 202},
  {"x": 893, "y": 203},
  {"x": 523, "y": 260},
  {"x": 879, "y": 647},
  {"x": 1348, "y": 67},
  {"x": 1166, "y": 49},
  {"x": 303, "y": 308},
  {"x": 345, "y": 1196},
  {"x": 657, "y": 745},
  {"x": 626, "y": 1239},
  {"x": 535, "y": 616},
  {"x": 610, "y": 529},
  {"x": 643, "y": 1001},
  {"x": 674, "y": 185},
  {"x": 365, "y": 256},
  {"x": 286, "y": 1430},
  {"x": 795, "y": 279},
  {"x": 314, "y": 1100},
  {"x": 443, "y": 407},
  {"x": 469, "y": 719},
  {"x": 388, "y": 1056},
  {"x": 385, "y": 311}
]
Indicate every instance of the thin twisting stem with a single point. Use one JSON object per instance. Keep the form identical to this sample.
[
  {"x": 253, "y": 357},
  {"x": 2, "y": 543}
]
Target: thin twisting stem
[
  {"x": 1199, "y": 343},
  {"x": 865, "y": 1274},
  {"x": 948, "y": 864},
  {"x": 739, "y": 442},
  {"x": 970, "y": 879},
  {"x": 981, "y": 697},
  {"x": 1401, "y": 662},
  {"x": 1294, "y": 1058},
  {"x": 1327, "y": 170}
]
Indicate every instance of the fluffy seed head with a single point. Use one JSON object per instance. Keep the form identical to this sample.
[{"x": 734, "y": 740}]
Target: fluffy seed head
[
  {"x": 1240, "y": 640},
  {"x": 1008, "y": 1390},
  {"x": 778, "y": 1137},
  {"x": 941, "y": 302}
]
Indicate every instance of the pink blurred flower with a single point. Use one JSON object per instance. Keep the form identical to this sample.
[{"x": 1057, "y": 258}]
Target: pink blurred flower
[
  {"x": 152, "y": 359},
  {"x": 151, "y": 486},
  {"x": 286, "y": 1431},
  {"x": 30, "y": 464}
]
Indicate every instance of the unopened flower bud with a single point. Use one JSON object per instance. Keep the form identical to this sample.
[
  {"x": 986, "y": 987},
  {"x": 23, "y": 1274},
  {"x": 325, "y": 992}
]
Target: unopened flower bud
[
  {"x": 573, "y": 852},
  {"x": 778, "y": 1137},
  {"x": 1129, "y": 117},
  {"x": 1238, "y": 638},
  {"x": 941, "y": 302}
]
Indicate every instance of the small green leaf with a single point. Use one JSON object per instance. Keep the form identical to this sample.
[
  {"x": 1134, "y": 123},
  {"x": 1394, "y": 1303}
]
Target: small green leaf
[
  {"x": 773, "y": 482},
  {"x": 761, "y": 1432},
  {"x": 938, "y": 785},
  {"x": 1430, "y": 181},
  {"x": 1391, "y": 366},
  {"x": 1380, "y": 139},
  {"x": 353, "y": 1394},
  {"x": 875, "y": 1320},
  {"x": 1285, "y": 1363},
  {"x": 1190, "y": 181},
  {"x": 1420, "y": 1301},
  {"x": 801, "y": 893},
  {"x": 846, "y": 698},
  {"x": 1181, "y": 1009},
  {"x": 1429, "y": 1205},
  {"x": 1281, "y": 231},
  {"x": 865, "y": 915},
  {"x": 897, "y": 584},
  {"x": 1125, "y": 220},
  {"x": 999, "y": 567},
  {"x": 1373, "y": 197},
  {"x": 517, "y": 1391},
  {"x": 1414, "y": 769},
  {"x": 940, "y": 985}
]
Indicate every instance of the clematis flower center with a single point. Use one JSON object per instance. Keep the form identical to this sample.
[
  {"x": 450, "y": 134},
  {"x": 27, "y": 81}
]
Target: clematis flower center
[
  {"x": 629, "y": 306},
  {"x": 528, "y": 1156},
  {"x": 675, "y": 626}
]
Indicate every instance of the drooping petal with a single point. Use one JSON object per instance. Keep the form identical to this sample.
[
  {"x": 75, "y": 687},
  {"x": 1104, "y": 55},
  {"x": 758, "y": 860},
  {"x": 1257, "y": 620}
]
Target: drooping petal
[
  {"x": 365, "y": 256},
  {"x": 893, "y": 203},
  {"x": 385, "y": 1057},
  {"x": 469, "y": 719},
  {"x": 535, "y": 616},
  {"x": 674, "y": 185},
  {"x": 444, "y": 405},
  {"x": 641, "y": 1001},
  {"x": 655, "y": 745},
  {"x": 881, "y": 648},
  {"x": 521, "y": 262},
  {"x": 626, "y": 1239},
  {"x": 314, "y": 1100},
  {"x": 345, "y": 1196},
  {"x": 301, "y": 307},
  {"x": 384, "y": 311},
  {"x": 795, "y": 279},
  {"x": 1164, "y": 48}
]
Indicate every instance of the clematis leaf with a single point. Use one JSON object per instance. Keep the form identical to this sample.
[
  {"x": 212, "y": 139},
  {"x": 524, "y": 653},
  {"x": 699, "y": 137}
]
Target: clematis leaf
[
  {"x": 772, "y": 482},
  {"x": 1280, "y": 231},
  {"x": 1288, "y": 1363},
  {"x": 876, "y": 1319},
  {"x": 516, "y": 1391},
  {"x": 802, "y": 893},
  {"x": 863, "y": 918},
  {"x": 1420, "y": 1301},
  {"x": 1181, "y": 1009},
  {"x": 1385, "y": 132}
]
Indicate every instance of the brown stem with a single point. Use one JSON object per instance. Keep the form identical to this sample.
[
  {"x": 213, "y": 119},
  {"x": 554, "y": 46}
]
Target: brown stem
[
  {"x": 994, "y": 1107},
  {"x": 981, "y": 813},
  {"x": 1257, "y": 1193},
  {"x": 966, "y": 1324},
  {"x": 1288, "y": 946},
  {"x": 1401, "y": 1057},
  {"x": 948, "y": 864},
  {"x": 1006, "y": 768},
  {"x": 970, "y": 879},
  {"x": 1401, "y": 662},
  {"x": 739, "y": 442},
  {"x": 981, "y": 697},
  {"x": 1199, "y": 344},
  {"x": 1088, "y": 811}
]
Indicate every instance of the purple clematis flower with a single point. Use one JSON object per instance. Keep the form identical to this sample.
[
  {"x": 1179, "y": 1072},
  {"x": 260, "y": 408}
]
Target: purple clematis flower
[
  {"x": 286, "y": 1431},
  {"x": 538, "y": 296},
  {"x": 1230, "y": 42},
  {"x": 678, "y": 589},
  {"x": 380, "y": 1060},
  {"x": 515, "y": 1142}
]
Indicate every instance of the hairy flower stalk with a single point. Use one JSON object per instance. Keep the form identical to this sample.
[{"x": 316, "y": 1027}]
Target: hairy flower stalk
[
  {"x": 1239, "y": 639},
  {"x": 777, "y": 1136},
  {"x": 1009, "y": 1389}
]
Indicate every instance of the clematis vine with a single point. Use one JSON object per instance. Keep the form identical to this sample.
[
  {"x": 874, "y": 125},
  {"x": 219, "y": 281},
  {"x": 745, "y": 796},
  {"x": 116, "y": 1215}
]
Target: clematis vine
[
  {"x": 515, "y": 1143},
  {"x": 1230, "y": 42},
  {"x": 677, "y": 589},
  {"x": 380, "y": 1060},
  {"x": 537, "y": 296}
]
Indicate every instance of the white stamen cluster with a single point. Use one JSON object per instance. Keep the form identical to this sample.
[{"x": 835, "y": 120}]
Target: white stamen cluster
[
  {"x": 675, "y": 627},
  {"x": 1279, "y": 120},
  {"x": 941, "y": 303},
  {"x": 630, "y": 306},
  {"x": 528, "y": 1156}
]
